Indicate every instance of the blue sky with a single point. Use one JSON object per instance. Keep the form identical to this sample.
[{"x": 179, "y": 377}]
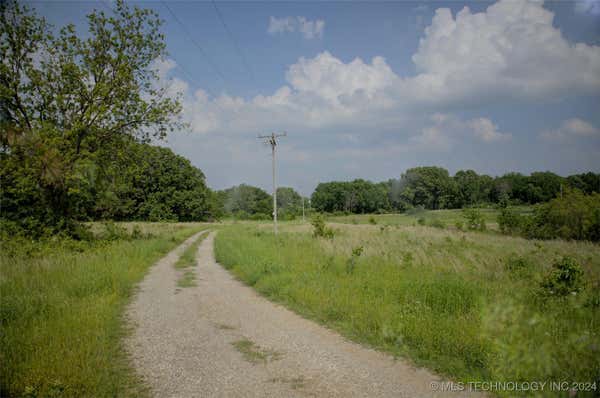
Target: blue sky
[{"x": 369, "y": 89}]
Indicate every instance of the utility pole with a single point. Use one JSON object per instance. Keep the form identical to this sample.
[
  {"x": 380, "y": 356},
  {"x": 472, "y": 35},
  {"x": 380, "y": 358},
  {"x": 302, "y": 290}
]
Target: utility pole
[
  {"x": 272, "y": 140},
  {"x": 303, "y": 219}
]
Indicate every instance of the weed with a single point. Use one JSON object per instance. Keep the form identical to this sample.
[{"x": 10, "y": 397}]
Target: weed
[
  {"x": 474, "y": 219},
  {"x": 188, "y": 258},
  {"x": 254, "y": 353},
  {"x": 224, "y": 326},
  {"x": 351, "y": 263},
  {"x": 516, "y": 263},
  {"x": 566, "y": 277},
  {"x": 294, "y": 382},
  {"x": 372, "y": 220},
  {"x": 320, "y": 228},
  {"x": 188, "y": 279}
]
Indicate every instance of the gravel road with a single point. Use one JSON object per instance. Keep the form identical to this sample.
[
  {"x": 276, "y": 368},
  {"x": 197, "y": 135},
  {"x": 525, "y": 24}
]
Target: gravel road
[{"x": 221, "y": 339}]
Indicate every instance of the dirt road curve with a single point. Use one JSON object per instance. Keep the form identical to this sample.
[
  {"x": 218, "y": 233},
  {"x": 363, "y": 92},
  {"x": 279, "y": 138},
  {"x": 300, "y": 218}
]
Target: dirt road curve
[{"x": 221, "y": 339}]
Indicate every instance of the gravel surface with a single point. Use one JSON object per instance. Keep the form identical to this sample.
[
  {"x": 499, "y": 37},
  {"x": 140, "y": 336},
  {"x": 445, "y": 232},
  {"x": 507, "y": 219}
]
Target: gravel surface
[{"x": 221, "y": 339}]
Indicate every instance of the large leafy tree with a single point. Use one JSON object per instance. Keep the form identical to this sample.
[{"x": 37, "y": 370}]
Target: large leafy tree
[
  {"x": 245, "y": 200},
  {"x": 430, "y": 187},
  {"x": 68, "y": 104}
]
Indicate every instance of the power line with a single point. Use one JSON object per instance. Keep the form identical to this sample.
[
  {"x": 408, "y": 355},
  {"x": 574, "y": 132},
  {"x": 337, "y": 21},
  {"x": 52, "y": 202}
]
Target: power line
[
  {"x": 235, "y": 43},
  {"x": 195, "y": 83},
  {"x": 187, "y": 32}
]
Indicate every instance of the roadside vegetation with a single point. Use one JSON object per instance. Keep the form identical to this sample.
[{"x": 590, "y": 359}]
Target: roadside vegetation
[
  {"x": 62, "y": 309},
  {"x": 469, "y": 305}
]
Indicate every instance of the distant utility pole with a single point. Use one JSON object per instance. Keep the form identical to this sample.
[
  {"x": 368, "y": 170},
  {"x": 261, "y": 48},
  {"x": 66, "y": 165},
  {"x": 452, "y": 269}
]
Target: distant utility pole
[
  {"x": 272, "y": 140},
  {"x": 303, "y": 219}
]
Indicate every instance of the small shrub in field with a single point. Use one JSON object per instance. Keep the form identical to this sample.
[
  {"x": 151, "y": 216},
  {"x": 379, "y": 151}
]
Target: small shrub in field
[
  {"x": 459, "y": 225},
  {"x": 356, "y": 252},
  {"x": 566, "y": 277},
  {"x": 517, "y": 263},
  {"x": 421, "y": 221},
  {"x": 509, "y": 221},
  {"x": 372, "y": 220},
  {"x": 474, "y": 219},
  {"x": 320, "y": 228},
  {"x": 136, "y": 233},
  {"x": 437, "y": 224},
  {"x": 114, "y": 231}
]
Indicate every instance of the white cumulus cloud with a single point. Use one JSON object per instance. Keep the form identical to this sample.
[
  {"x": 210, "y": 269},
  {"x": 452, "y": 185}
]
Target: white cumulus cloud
[
  {"x": 512, "y": 50},
  {"x": 446, "y": 129},
  {"x": 571, "y": 129},
  {"x": 309, "y": 29}
]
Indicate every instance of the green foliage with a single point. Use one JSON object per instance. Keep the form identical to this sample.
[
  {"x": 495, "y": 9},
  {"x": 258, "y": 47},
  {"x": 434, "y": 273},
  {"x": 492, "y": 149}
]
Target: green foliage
[
  {"x": 320, "y": 229},
  {"x": 474, "y": 219},
  {"x": 429, "y": 187},
  {"x": 289, "y": 203},
  {"x": 572, "y": 216},
  {"x": 68, "y": 118},
  {"x": 433, "y": 188},
  {"x": 421, "y": 221},
  {"x": 509, "y": 221},
  {"x": 351, "y": 263},
  {"x": 358, "y": 196},
  {"x": 372, "y": 220},
  {"x": 517, "y": 264},
  {"x": 566, "y": 277},
  {"x": 246, "y": 202}
]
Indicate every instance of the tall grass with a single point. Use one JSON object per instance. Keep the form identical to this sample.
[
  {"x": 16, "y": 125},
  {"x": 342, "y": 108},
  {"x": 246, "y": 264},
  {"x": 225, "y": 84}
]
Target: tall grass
[
  {"x": 447, "y": 300},
  {"x": 448, "y": 217},
  {"x": 61, "y": 308}
]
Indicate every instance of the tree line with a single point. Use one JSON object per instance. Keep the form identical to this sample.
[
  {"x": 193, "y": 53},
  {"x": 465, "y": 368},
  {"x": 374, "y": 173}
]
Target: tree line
[{"x": 434, "y": 188}]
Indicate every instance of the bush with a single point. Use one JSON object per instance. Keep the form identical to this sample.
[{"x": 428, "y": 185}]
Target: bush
[
  {"x": 320, "y": 228},
  {"x": 372, "y": 220},
  {"x": 566, "y": 277},
  {"x": 516, "y": 263},
  {"x": 509, "y": 221},
  {"x": 114, "y": 232},
  {"x": 474, "y": 219},
  {"x": 572, "y": 216},
  {"x": 459, "y": 225},
  {"x": 421, "y": 221}
]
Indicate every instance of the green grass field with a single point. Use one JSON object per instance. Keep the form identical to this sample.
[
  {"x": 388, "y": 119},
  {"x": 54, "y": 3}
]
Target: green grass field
[
  {"x": 467, "y": 304},
  {"x": 62, "y": 306}
]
